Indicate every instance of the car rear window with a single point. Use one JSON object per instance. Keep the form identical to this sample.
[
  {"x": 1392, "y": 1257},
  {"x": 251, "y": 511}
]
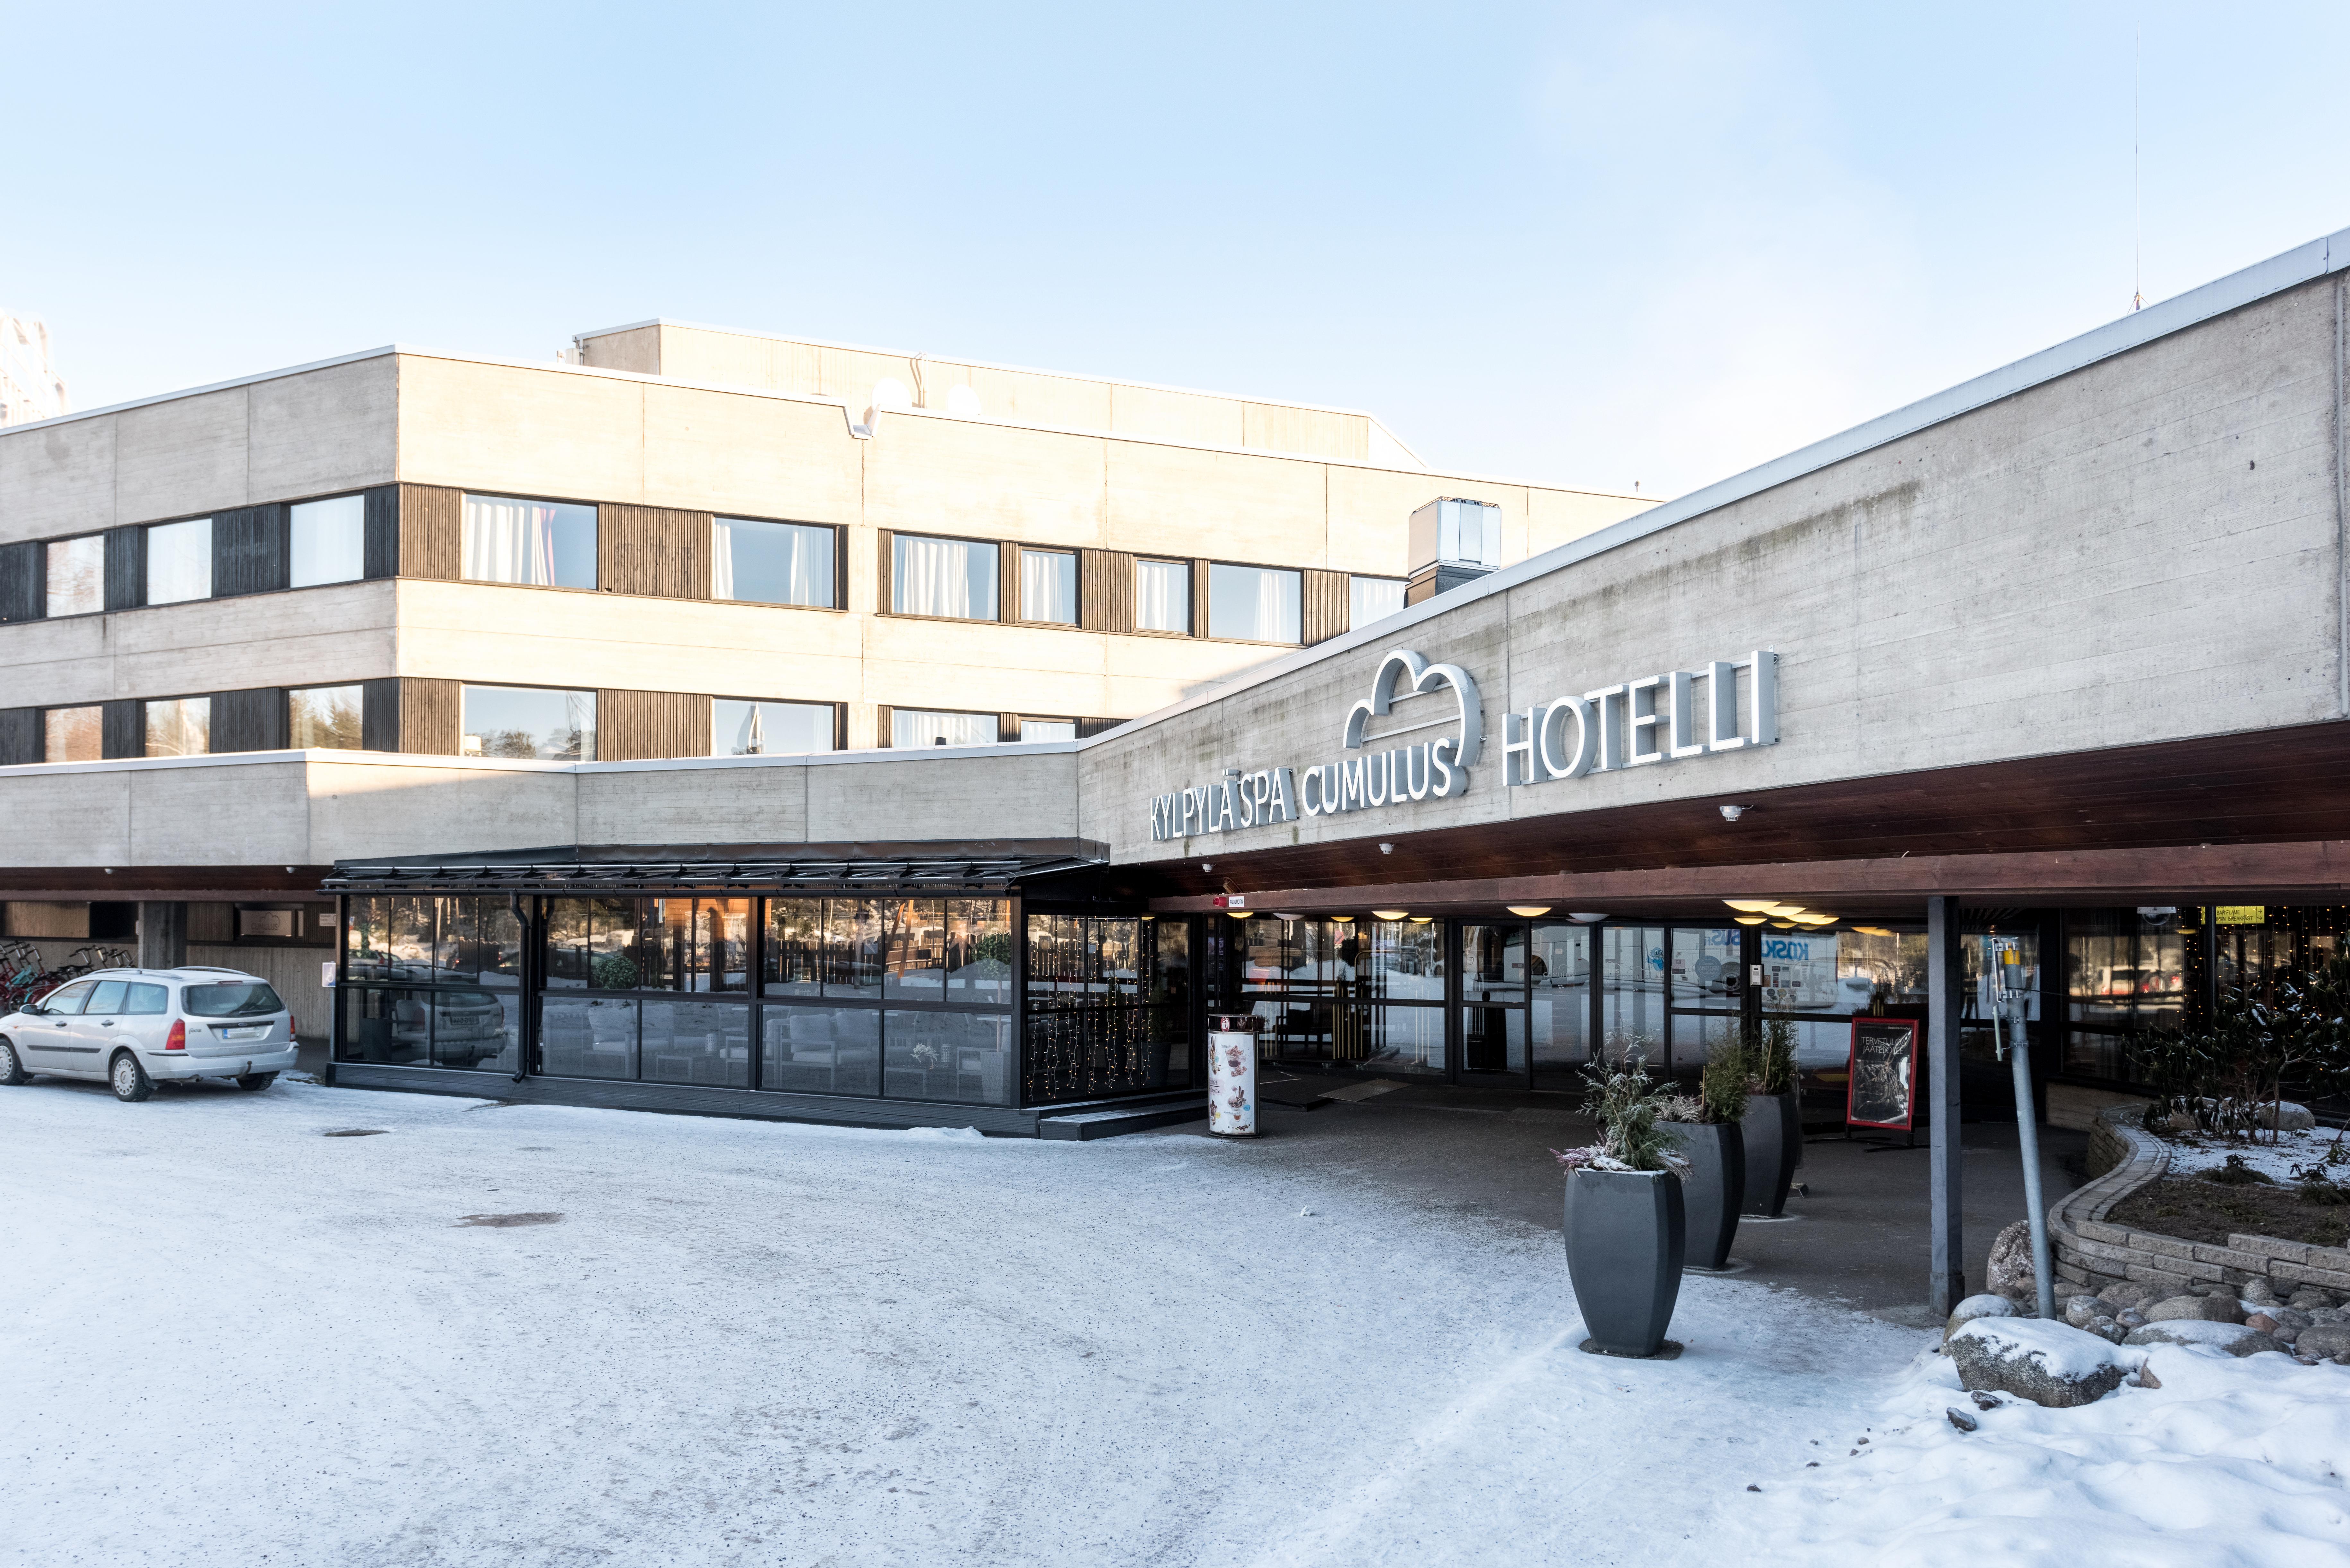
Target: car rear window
[
  {"x": 230, "y": 998},
  {"x": 149, "y": 999}
]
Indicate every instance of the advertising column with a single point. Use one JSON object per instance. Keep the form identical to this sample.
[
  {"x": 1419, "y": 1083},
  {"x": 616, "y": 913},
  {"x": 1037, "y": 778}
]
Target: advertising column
[{"x": 1231, "y": 1074}]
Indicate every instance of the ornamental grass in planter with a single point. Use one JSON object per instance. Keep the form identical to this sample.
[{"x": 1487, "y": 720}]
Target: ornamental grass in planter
[
  {"x": 1626, "y": 1231},
  {"x": 1773, "y": 1126},
  {"x": 1706, "y": 1128}
]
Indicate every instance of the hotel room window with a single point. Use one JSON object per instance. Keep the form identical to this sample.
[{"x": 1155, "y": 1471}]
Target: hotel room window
[
  {"x": 75, "y": 569},
  {"x": 915, "y": 727},
  {"x": 73, "y": 734},
  {"x": 951, "y": 578},
  {"x": 1162, "y": 596},
  {"x": 540, "y": 544},
  {"x": 771, "y": 563},
  {"x": 180, "y": 561},
  {"x": 1048, "y": 586},
  {"x": 1370, "y": 599},
  {"x": 532, "y": 721},
  {"x": 1048, "y": 729},
  {"x": 1253, "y": 603},
  {"x": 745, "y": 727},
  {"x": 326, "y": 542},
  {"x": 180, "y": 727},
  {"x": 323, "y": 718}
]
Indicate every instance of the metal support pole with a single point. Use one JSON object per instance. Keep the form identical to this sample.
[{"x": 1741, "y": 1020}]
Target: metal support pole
[
  {"x": 2012, "y": 1032},
  {"x": 1945, "y": 975}
]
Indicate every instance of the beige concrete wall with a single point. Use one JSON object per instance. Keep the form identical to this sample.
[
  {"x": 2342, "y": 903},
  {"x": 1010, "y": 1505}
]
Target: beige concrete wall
[
  {"x": 311, "y": 433},
  {"x": 2147, "y": 549},
  {"x": 307, "y": 637}
]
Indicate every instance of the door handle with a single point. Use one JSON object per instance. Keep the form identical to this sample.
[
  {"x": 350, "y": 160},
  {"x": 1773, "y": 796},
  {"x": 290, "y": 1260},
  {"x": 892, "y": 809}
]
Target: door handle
[{"x": 106, "y": 1023}]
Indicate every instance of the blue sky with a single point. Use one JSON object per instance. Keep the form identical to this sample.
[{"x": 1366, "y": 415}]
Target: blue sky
[{"x": 1586, "y": 244}]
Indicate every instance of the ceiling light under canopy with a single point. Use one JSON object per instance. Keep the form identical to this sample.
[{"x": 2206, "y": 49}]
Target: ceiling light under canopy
[{"x": 1750, "y": 906}]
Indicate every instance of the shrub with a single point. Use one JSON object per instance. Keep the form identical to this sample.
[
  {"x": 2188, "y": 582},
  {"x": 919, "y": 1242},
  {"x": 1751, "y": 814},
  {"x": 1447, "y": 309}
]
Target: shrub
[
  {"x": 1629, "y": 1110},
  {"x": 1773, "y": 1049}
]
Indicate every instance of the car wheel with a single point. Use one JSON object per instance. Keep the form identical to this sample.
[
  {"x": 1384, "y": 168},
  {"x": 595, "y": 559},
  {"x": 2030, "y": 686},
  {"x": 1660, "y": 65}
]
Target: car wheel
[
  {"x": 131, "y": 1082},
  {"x": 254, "y": 1082},
  {"x": 12, "y": 1072}
]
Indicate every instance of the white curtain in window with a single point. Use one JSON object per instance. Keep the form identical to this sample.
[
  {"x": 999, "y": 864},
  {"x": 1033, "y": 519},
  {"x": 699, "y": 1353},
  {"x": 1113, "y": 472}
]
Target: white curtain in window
[
  {"x": 1048, "y": 586},
  {"x": 1162, "y": 596},
  {"x": 509, "y": 541},
  {"x": 1372, "y": 599},
  {"x": 722, "y": 559},
  {"x": 913, "y": 727},
  {"x": 933, "y": 576}
]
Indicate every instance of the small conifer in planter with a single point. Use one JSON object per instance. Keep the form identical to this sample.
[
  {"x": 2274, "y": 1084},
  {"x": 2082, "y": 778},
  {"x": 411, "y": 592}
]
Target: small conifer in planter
[
  {"x": 1773, "y": 1124},
  {"x": 1705, "y": 1128},
  {"x": 1626, "y": 1229}
]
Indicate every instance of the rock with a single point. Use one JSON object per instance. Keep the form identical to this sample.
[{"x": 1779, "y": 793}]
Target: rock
[
  {"x": 1973, "y": 1307},
  {"x": 2324, "y": 1339},
  {"x": 2146, "y": 1377},
  {"x": 2324, "y": 1315},
  {"x": 2288, "y": 1318},
  {"x": 1960, "y": 1419},
  {"x": 2286, "y": 1117},
  {"x": 2049, "y": 1364},
  {"x": 2130, "y": 1317},
  {"x": 2010, "y": 1272},
  {"x": 1985, "y": 1399},
  {"x": 2082, "y": 1311},
  {"x": 2263, "y": 1323},
  {"x": 2202, "y": 1330},
  {"x": 2218, "y": 1308},
  {"x": 2259, "y": 1292},
  {"x": 2309, "y": 1298},
  {"x": 2129, "y": 1293},
  {"x": 2106, "y": 1329}
]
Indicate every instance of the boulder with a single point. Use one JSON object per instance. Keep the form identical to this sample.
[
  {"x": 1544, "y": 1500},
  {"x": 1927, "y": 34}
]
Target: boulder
[
  {"x": 2324, "y": 1339},
  {"x": 2129, "y": 1293},
  {"x": 2010, "y": 1272},
  {"x": 2232, "y": 1337},
  {"x": 2082, "y": 1311},
  {"x": 2261, "y": 1322},
  {"x": 2049, "y": 1364},
  {"x": 1973, "y": 1307},
  {"x": 2286, "y": 1117},
  {"x": 2106, "y": 1329},
  {"x": 2216, "y": 1308},
  {"x": 2259, "y": 1292},
  {"x": 2309, "y": 1298},
  {"x": 2290, "y": 1318}
]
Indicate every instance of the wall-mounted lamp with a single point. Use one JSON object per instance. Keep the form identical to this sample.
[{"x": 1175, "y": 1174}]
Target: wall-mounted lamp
[
  {"x": 1206, "y": 866},
  {"x": 1732, "y": 813},
  {"x": 1386, "y": 849}
]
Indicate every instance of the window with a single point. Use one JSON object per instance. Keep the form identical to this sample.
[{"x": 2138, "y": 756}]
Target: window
[
  {"x": 323, "y": 718},
  {"x": 230, "y": 998},
  {"x": 1253, "y": 603},
  {"x": 326, "y": 541},
  {"x": 1048, "y": 586},
  {"x": 771, "y": 563},
  {"x": 1108, "y": 1006},
  {"x": 1372, "y": 599},
  {"x": 1162, "y": 596},
  {"x": 529, "y": 721},
  {"x": 952, "y": 578},
  {"x": 743, "y": 728},
  {"x": 540, "y": 543},
  {"x": 76, "y": 574},
  {"x": 180, "y": 727},
  {"x": 179, "y": 561},
  {"x": 73, "y": 734},
  {"x": 458, "y": 961},
  {"x": 1048, "y": 729},
  {"x": 914, "y": 727},
  {"x": 650, "y": 944}
]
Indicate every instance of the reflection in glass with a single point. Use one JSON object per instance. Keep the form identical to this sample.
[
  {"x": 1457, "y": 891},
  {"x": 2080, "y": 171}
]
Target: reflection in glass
[
  {"x": 1253, "y": 603},
  {"x": 1108, "y": 1006},
  {"x": 979, "y": 951},
  {"x": 386, "y": 1024},
  {"x": 741, "y": 727},
  {"x": 821, "y": 1050},
  {"x": 75, "y": 569},
  {"x": 1632, "y": 994},
  {"x": 706, "y": 1042},
  {"x": 915, "y": 941},
  {"x": 528, "y": 722},
  {"x": 543, "y": 544},
  {"x": 1561, "y": 985},
  {"x": 771, "y": 563},
  {"x": 2124, "y": 973},
  {"x": 960, "y": 1056},
  {"x": 73, "y": 734},
  {"x": 1372, "y": 599},
  {"x": 180, "y": 727},
  {"x": 326, "y": 542},
  {"x": 919, "y": 727},
  {"x": 323, "y": 718},
  {"x": 587, "y": 1036},
  {"x": 794, "y": 949},
  {"x": 1048, "y": 729},
  {"x": 475, "y": 1027},
  {"x": 180, "y": 561},
  {"x": 1492, "y": 1039}
]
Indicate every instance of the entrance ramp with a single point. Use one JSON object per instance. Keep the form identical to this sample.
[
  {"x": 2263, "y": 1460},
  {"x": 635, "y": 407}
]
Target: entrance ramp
[{"x": 1084, "y": 1126}]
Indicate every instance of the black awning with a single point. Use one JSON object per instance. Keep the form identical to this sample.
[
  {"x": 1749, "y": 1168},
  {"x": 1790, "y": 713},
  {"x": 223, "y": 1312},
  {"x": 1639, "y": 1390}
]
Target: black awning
[{"x": 927, "y": 874}]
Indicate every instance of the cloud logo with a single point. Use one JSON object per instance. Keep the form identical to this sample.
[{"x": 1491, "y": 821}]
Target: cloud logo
[{"x": 1417, "y": 677}]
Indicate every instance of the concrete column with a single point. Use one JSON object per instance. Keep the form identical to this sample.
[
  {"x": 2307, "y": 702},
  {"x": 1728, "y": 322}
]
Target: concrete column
[
  {"x": 1945, "y": 980},
  {"x": 162, "y": 936}
]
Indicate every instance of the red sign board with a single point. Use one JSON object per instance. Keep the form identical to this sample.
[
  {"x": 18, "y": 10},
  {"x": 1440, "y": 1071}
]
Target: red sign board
[{"x": 1883, "y": 1089}]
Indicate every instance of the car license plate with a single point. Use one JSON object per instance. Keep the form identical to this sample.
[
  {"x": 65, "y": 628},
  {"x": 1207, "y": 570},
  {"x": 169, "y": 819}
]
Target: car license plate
[{"x": 259, "y": 1033}]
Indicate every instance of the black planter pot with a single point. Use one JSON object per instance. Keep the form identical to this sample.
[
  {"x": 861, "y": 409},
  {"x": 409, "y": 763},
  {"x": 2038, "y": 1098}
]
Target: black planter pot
[
  {"x": 1626, "y": 1233},
  {"x": 1773, "y": 1129},
  {"x": 1714, "y": 1189}
]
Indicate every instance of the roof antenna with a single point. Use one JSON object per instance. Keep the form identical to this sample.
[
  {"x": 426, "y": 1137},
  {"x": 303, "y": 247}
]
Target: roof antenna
[{"x": 2137, "y": 204}]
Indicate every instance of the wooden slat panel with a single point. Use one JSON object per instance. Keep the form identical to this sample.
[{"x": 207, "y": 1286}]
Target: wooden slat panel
[
  {"x": 840, "y": 726},
  {"x": 1007, "y": 726},
  {"x": 23, "y": 581},
  {"x": 1007, "y": 582},
  {"x": 126, "y": 569},
  {"x": 431, "y": 711},
  {"x": 380, "y": 552},
  {"x": 1095, "y": 726},
  {"x": 431, "y": 522},
  {"x": 249, "y": 551},
  {"x": 379, "y": 714},
  {"x": 122, "y": 730},
  {"x": 882, "y": 602},
  {"x": 631, "y": 726},
  {"x": 1105, "y": 590},
  {"x": 1326, "y": 608},
  {"x": 249, "y": 721},
  {"x": 881, "y": 725},
  {"x": 1199, "y": 598},
  {"x": 653, "y": 550},
  {"x": 20, "y": 736}
]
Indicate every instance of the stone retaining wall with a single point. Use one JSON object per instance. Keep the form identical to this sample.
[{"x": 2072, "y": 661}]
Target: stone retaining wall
[{"x": 2091, "y": 1253}]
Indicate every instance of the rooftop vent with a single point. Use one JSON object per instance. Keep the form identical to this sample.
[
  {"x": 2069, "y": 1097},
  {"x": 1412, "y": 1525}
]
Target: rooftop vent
[{"x": 1452, "y": 541}]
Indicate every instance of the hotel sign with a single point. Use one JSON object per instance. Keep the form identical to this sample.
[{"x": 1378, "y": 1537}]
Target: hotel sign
[{"x": 1725, "y": 705}]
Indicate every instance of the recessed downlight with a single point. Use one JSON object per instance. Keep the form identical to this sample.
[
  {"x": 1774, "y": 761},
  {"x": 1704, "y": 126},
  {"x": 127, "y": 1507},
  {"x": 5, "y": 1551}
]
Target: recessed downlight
[
  {"x": 1750, "y": 919},
  {"x": 1388, "y": 914},
  {"x": 1529, "y": 910},
  {"x": 1750, "y": 906}
]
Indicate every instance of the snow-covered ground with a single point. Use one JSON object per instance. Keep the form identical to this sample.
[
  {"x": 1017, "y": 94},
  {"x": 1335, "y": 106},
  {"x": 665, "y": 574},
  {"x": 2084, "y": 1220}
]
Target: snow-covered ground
[
  {"x": 2277, "y": 1161},
  {"x": 226, "y": 1339}
]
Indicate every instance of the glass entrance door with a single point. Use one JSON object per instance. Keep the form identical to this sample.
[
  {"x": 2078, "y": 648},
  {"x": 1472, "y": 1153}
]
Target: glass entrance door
[{"x": 1493, "y": 1000}]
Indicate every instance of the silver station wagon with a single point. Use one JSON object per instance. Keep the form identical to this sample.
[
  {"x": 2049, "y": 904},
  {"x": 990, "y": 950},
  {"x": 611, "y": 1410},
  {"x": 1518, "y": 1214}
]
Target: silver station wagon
[{"x": 134, "y": 1028}]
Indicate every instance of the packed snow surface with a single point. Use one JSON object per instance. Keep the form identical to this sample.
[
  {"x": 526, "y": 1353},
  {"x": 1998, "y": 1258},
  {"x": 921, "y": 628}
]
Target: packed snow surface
[
  {"x": 2193, "y": 1153},
  {"x": 226, "y": 1339}
]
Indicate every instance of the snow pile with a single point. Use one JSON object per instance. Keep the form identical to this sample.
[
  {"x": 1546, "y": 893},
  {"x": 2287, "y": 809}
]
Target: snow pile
[
  {"x": 2059, "y": 1349},
  {"x": 2229, "y": 1462},
  {"x": 2192, "y": 1154}
]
